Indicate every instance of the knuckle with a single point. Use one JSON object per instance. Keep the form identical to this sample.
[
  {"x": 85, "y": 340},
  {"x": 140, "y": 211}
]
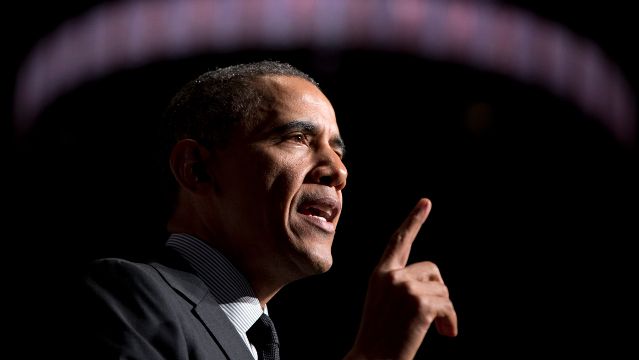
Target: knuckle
[
  {"x": 412, "y": 289},
  {"x": 399, "y": 236},
  {"x": 445, "y": 292},
  {"x": 431, "y": 266},
  {"x": 424, "y": 304},
  {"x": 433, "y": 271},
  {"x": 424, "y": 309},
  {"x": 392, "y": 279},
  {"x": 396, "y": 279},
  {"x": 449, "y": 307}
]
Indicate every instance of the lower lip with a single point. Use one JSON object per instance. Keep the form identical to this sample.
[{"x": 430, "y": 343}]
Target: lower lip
[{"x": 320, "y": 223}]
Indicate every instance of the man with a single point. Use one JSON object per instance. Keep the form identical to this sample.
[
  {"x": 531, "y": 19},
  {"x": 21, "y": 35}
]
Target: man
[{"x": 257, "y": 157}]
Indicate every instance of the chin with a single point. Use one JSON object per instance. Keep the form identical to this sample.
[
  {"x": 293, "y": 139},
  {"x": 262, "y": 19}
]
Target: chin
[
  {"x": 323, "y": 265},
  {"x": 310, "y": 251},
  {"x": 312, "y": 261},
  {"x": 319, "y": 262}
]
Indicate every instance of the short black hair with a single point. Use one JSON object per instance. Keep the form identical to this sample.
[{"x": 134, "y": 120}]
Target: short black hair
[{"x": 208, "y": 106}]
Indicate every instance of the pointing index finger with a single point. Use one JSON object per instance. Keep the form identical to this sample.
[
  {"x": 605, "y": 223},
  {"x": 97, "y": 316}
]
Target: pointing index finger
[{"x": 398, "y": 249}]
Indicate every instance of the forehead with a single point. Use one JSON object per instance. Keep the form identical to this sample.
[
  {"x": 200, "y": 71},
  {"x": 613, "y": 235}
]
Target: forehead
[
  {"x": 292, "y": 98},
  {"x": 298, "y": 98}
]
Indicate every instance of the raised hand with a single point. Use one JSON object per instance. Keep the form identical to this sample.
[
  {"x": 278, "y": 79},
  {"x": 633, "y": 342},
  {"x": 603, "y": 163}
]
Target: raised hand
[{"x": 403, "y": 300}]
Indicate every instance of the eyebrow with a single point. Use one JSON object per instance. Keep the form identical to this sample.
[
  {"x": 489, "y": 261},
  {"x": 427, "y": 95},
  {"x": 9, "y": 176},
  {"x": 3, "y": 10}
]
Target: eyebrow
[{"x": 308, "y": 127}]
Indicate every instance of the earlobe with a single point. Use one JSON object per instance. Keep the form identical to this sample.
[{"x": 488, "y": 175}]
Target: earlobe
[{"x": 188, "y": 164}]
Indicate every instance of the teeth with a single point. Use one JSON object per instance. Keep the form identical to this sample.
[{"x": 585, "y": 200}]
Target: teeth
[
  {"x": 320, "y": 206},
  {"x": 321, "y": 213},
  {"x": 318, "y": 213},
  {"x": 318, "y": 217}
]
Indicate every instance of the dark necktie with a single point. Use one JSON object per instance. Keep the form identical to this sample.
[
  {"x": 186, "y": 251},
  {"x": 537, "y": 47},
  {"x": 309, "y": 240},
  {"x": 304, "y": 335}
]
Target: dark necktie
[{"x": 264, "y": 337}]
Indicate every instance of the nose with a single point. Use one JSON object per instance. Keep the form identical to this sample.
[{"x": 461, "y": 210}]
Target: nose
[{"x": 330, "y": 170}]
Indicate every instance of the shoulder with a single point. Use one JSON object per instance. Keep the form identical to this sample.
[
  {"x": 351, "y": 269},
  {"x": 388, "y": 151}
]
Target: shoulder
[
  {"x": 154, "y": 280},
  {"x": 119, "y": 281},
  {"x": 115, "y": 288},
  {"x": 117, "y": 270},
  {"x": 125, "y": 303}
]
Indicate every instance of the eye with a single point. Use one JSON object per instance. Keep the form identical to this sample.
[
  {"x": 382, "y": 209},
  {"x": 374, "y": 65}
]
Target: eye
[{"x": 299, "y": 138}]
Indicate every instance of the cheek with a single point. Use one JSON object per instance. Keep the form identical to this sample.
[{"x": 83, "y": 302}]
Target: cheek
[
  {"x": 285, "y": 182},
  {"x": 258, "y": 171},
  {"x": 284, "y": 186},
  {"x": 285, "y": 171},
  {"x": 272, "y": 178}
]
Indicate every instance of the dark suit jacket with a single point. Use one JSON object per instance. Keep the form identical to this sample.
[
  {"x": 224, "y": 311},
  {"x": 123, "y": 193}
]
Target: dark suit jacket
[{"x": 159, "y": 310}]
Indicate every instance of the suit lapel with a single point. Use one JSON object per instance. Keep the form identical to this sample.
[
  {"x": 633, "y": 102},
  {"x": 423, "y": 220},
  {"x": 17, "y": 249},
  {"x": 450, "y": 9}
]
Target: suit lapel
[
  {"x": 222, "y": 329},
  {"x": 207, "y": 310}
]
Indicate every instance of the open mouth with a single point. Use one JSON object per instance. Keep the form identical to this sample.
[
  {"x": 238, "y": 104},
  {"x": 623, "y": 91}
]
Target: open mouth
[{"x": 321, "y": 211}]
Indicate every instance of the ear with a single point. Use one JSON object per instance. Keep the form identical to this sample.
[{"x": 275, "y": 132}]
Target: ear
[{"x": 188, "y": 164}]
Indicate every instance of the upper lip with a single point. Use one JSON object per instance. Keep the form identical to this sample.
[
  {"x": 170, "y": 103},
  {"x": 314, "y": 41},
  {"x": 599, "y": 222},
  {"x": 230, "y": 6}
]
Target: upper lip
[{"x": 325, "y": 206}]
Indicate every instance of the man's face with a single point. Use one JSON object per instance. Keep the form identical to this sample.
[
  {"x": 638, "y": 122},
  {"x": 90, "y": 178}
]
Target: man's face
[{"x": 279, "y": 183}]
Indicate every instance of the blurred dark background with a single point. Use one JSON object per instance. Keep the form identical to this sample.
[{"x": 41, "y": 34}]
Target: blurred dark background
[{"x": 534, "y": 202}]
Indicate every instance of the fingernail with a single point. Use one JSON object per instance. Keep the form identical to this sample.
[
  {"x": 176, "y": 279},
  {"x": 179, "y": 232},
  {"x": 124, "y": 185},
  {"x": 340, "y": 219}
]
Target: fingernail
[
  {"x": 421, "y": 207},
  {"x": 424, "y": 204}
]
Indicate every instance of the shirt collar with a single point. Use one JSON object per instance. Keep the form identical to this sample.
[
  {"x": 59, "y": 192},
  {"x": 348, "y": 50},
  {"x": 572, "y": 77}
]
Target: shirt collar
[{"x": 229, "y": 287}]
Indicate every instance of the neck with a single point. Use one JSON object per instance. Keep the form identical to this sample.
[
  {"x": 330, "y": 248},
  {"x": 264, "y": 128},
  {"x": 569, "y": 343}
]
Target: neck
[{"x": 265, "y": 285}]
